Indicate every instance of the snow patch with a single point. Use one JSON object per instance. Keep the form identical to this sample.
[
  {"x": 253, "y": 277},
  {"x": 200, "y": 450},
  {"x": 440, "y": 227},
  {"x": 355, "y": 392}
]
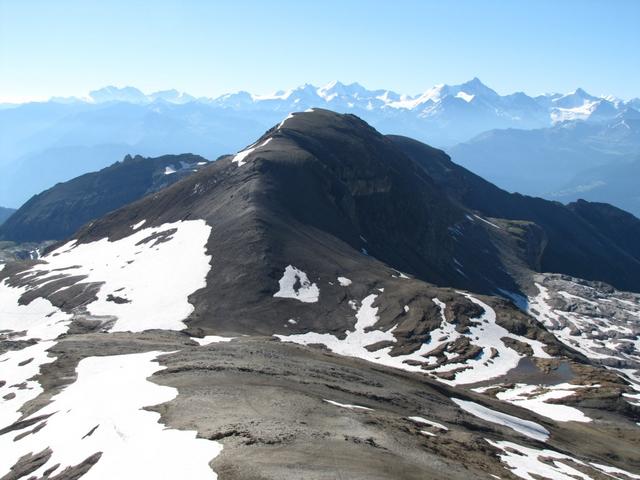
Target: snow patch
[
  {"x": 465, "y": 96},
  {"x": 136, "y": 226},
  {"x": 488, "y": 222},
  {"x": 240, "y": 157},
  {"x": 209, "y": 339},
  {"x": 428, "y": 422},
  {"x": 281, "y": 124},
  {"x": 496, "y": 358},
  {"x": 355, "y": 342},
  {"x": 534, "y": 398},
  {"x": 344, "y": 281},
  {"x": 92, "y": 415},
  {"x": 346, "y": 405},
  {"x": 153, "y": 272},
  {"x": 18, "y": 367},
  {"x": 532, "y": 463},
  {"x": 37, "y": 320},
  {"x": 525, "y": 427},
  {"x": 486, "y": 334},
  {"x": 306, "y": 291}
]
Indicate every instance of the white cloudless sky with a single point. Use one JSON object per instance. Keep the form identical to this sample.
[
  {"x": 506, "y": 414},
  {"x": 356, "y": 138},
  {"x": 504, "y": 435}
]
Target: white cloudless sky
[{"x": 69, "y": 47}]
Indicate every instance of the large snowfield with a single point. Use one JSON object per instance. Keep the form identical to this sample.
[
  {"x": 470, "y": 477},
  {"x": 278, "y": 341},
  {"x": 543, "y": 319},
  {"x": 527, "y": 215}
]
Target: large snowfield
[
  {"x": 103, "y": 411},
  {"x": 152, "y": 272}
]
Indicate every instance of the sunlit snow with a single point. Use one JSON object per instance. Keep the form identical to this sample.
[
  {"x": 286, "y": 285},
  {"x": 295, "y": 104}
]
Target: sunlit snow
[
  {"x": 138, "y": 225},
  {"x": 295, "y": 284},
  {"x": 496, "y": 358},
  {"x": 209, "y": 339},
  {"x": 525, "y": 427},
  {"x": 152, "y": 276},
  {"x": 241, "y": 157},
  {"x": 532, "y": 463},
  {"x": 535, "y": 397},
  {"x": 431, "y": 423},
  {"x": 346, "y": 405},
  {"x": 16, "y": 369},
  {"x": 103, "y": 411},
  {"x": 37, "y": 320},
  {"x": 487, "y": 335}
]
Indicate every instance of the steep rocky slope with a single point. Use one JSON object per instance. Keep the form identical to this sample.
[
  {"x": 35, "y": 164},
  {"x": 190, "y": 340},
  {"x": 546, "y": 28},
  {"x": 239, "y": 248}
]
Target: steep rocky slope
[{"x": 587, "y": 240}]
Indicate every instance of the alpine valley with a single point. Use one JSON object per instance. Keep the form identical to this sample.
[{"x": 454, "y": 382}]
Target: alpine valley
[{"x": 328, "y": 302}]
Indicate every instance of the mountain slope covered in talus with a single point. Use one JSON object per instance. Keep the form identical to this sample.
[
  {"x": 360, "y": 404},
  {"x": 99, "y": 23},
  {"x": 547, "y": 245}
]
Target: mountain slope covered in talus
[
  {"x": 314, "y": 306},
  {"x": 59, "y": 211}
]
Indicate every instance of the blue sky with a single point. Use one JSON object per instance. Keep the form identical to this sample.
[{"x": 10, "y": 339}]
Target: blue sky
[{"x": 68, "y": 47}]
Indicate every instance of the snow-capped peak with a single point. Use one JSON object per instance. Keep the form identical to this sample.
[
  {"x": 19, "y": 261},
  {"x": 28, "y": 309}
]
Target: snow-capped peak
[
  {"x": 116, "y": 94},
  {"x": 434, "y": 94},
  {"x": 338, "y": 89},
  {"x": 471, "y": 105},
  {"x": 171, "y": 96},
  {"x": 475, "y": 87},
  {"x": 574, "y": 99}
]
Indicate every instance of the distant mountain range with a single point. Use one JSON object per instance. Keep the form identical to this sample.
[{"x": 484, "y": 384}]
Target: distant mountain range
[
  {"x": 437, "y": 106},
  {"x": 66, "y": 137}
]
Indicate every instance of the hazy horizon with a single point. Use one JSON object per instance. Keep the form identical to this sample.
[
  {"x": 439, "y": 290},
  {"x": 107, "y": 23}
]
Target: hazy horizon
[
  {"x": 209, "y": 49},
  {"x": 265, "y": 93}
]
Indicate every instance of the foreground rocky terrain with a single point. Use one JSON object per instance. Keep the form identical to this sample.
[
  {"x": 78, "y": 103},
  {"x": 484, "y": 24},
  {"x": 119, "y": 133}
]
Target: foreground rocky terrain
[{"x": 327, "y": 303}]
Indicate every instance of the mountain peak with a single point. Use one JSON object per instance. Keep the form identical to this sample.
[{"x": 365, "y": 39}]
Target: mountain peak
[
  {"x": 172, "y": 95},
  {"x": 476, "y": 87},
  {"x": 338, "y": 89},
  {"x": 332, "y": 84},
  {"x": 582, "y": 94},
  {"x": 474, "y": 81},
  {"x": 118, "y": 94}
]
